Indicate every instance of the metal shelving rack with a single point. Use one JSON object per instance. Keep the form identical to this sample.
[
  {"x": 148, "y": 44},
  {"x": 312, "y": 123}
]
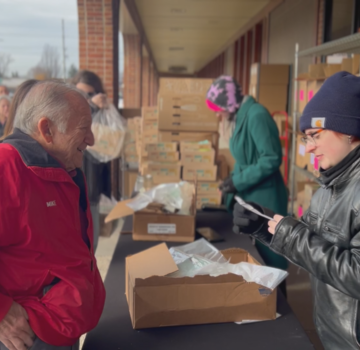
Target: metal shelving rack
[{"x": 349, "y": 45}]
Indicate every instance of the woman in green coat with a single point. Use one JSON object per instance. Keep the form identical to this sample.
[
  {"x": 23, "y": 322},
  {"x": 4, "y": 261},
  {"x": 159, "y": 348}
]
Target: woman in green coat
[{"x": 256, "y": 148}]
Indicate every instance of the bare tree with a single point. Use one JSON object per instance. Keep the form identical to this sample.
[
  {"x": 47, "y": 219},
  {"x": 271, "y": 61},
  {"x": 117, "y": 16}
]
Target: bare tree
[
  {"x": 49, "y": 66},
  {"x": 5, "y": 61},
  {"x": 72, "y": 71}
]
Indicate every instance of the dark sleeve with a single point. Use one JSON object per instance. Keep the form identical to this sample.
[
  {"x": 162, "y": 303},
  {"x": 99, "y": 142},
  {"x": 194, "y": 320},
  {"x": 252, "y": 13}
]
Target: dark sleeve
[{"x": 331, "y": 264}]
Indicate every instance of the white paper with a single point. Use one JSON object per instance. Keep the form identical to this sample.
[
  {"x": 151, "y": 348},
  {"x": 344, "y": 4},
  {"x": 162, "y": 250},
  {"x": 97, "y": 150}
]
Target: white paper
[
  {"x": 253, "y": 321},
  {"x": 251, "y": 208},
  {"x": 161, "y": 229}
]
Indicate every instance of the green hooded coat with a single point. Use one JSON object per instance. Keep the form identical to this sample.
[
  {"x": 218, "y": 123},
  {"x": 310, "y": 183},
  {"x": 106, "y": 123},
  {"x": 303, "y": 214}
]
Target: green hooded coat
[{"x": 256, "y": 148}]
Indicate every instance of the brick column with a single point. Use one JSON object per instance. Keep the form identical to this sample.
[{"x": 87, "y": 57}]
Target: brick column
[
  {"x": 132, "y": 71},
  {"x": 146, "y": 82},
  {"x": 98, "y": 30}
]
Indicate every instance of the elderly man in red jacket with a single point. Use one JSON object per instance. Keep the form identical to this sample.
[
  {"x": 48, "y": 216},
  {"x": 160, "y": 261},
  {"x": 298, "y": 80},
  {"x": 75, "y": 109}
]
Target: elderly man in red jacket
[{"x": 51, "y": 291}]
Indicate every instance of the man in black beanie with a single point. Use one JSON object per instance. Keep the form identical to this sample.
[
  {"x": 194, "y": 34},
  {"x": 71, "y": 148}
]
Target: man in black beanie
[{"x": 326, "y": 241}]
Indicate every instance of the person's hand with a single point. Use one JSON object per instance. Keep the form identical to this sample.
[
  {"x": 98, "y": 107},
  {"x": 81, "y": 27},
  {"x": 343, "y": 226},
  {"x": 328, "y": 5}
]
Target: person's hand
[
  {"x": 227, "y": 186},
  {"x": 246, "y": 221},
  {"x": 15, "y": 332},
  {"x": 273, "y": 223},
  {"x": 99, "y": 100}
]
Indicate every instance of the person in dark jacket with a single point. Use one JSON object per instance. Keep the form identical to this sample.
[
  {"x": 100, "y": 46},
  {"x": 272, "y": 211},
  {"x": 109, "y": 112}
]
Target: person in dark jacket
[
  {"x": 326, "y": 241},
  {"x": 98, "y": 174},
  {"x": 256, "y": 148}
]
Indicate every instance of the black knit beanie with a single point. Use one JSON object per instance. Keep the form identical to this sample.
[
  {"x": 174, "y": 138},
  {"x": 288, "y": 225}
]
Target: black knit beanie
[{"x": 336, "y": 106}]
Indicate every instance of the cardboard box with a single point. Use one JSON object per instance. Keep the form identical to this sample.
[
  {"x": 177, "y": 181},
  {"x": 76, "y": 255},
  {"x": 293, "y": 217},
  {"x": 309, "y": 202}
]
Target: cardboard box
[
  {"x": 186, "y": 113},
  {"x": 214, "y": 199},
  {"x": 130, "y": 136},
  {"x": 177, "y": 136},
  {"x": 161, "y": 147},
  {"x": 172, "y": 156},
  {"x": 197, "y": 300},
  {"x": 280, "y": 121},
  {"x": 170, "y": 170},
  {"x": 129, "y": 182},
  {"x": 200, "y": 173},
  {"x": 150, "y": 113},
  {"x": 207, "y": 187},
  {"x": 151, "y": 224},
  {"x": 302, "y": 158},
  {"x": 309, "y": 190},
  {"x": 269, "y": 74},
  {"x": 313, "y": 87},
  {"x": 131, "y": 158},
  {"x": 130, "y": 149},
  {"x": 203, "y": 157},
  {"x": 150, "y": 136},
  {"x": 355, "y": 64},
  {"x": 188, "y": 146},
  {"x": 150, "y": 125},
  {"x": 184, "y": 86},
  {"x": 317, "y": 71},
  {"x": 347, "y": 65},
  {"x": 302, "y": 95},
  {"x": 332, "y": 69}
]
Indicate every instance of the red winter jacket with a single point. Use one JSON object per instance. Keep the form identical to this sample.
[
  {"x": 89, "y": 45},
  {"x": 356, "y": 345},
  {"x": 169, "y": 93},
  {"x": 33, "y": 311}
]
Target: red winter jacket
[{"x": 41, "y": 243}]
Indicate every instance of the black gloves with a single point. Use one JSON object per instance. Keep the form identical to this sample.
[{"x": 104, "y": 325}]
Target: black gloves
[
  {"x": 246, "y": 221},
  {"x": 228, "y": 186}
]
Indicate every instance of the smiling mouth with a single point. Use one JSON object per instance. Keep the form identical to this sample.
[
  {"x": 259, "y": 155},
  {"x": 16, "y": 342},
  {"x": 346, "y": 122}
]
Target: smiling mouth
[{"x": 81, "y": 150}]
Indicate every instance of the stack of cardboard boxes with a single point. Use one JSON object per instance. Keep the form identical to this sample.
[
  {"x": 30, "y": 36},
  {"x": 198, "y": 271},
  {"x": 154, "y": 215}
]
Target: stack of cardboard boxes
[
  {"x": 269, "y": 85},
  {"x": 178, "y": 139},
  {"x": 130, "y": 149}
]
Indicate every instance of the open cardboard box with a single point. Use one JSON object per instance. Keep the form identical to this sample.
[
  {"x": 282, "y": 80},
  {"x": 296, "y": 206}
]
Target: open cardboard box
[
  {"x": 156, "y": 300},
  {"x": 151, "y": 224}
]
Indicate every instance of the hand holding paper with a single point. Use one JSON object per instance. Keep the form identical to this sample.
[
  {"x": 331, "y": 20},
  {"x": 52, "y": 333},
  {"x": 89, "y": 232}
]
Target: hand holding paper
[{"x": 251, "y": 208}]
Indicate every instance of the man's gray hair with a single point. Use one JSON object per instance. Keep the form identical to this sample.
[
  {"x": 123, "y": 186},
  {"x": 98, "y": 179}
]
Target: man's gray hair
[{"x": 48, "y": 99}]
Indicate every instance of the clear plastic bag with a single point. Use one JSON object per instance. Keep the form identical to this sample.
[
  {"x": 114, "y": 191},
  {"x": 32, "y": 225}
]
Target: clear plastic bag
[
  {"x": 109, "y": 129},
  {"x": 170, "y": 195},
  {"x": 202, "y": 258}
]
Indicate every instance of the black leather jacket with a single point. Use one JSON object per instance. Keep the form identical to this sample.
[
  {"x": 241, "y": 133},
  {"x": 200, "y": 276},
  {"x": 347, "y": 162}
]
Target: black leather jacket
[{"x": 326, "y": 243}]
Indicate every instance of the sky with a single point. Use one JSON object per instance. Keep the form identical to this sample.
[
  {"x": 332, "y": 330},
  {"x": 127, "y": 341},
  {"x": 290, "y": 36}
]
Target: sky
[{"x": 27, "y": 25}]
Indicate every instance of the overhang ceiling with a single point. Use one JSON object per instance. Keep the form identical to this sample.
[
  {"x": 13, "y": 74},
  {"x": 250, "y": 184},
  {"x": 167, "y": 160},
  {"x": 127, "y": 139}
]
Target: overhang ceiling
[{"x": 188, "y": 33}]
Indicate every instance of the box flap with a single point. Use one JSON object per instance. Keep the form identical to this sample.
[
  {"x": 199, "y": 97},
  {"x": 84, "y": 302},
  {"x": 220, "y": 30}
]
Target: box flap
[
  {"x": 155, "y": 261},
  {"x": 120, "y": 211}
]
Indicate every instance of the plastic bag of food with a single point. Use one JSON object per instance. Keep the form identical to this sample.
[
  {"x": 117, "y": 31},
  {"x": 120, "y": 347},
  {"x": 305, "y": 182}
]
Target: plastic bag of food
[{"x": 109, "y": 129}]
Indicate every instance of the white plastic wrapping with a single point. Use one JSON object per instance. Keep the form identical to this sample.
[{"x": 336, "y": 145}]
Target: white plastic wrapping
[
  {"x": 174, "y": 196},
  {"x": 109, "y": 129},
  {"x": 202, "y": 258}
]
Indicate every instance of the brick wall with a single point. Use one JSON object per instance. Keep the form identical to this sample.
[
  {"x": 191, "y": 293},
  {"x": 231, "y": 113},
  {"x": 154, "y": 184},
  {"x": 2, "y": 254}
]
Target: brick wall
[
  {"x": 96, "y": 41},
  {"x": 132, "y": 71}
]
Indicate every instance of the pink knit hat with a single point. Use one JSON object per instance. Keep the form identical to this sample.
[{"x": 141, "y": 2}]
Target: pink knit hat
[{"x": 213, "y": 106}]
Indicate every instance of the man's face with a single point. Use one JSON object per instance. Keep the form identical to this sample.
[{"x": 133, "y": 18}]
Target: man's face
[
  {"x": 4, "y": 108},
  {"x": 3, "y": 90},
  {"x": 68, "y": 148}
]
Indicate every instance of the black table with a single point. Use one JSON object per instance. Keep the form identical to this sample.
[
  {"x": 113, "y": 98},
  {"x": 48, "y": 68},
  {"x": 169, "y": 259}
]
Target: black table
[{"x": 115, "y": 331}]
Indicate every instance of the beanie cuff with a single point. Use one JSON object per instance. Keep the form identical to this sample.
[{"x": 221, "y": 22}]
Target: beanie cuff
[
  {"x": 339, "y": 123},
  {"x": 213, "y": 106}
]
